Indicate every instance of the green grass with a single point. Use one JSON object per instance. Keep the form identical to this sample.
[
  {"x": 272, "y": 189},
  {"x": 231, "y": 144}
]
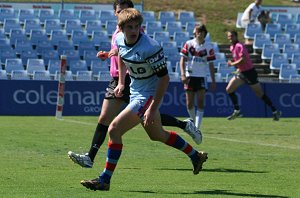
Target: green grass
[{"x": 249, "y": 157}]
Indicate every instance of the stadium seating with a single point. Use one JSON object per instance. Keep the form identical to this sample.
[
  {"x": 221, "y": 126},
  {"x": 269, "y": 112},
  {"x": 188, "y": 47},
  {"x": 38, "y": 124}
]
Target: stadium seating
[
  {"x": 238, "y": 22},
  {"x": 104, "y": 76},
  {"x": 93, "y": 25},
  {"x": 292, "y": 29},
  {"x": 220, "y": 57},
  {"x": 161, "y": 36},
  {"x": 17, "y": 34},
  {"x": 260, "y": 40},
  {"x": 106, "y": 15},
  {"x": 35, "y": 36},
  {"x": 7, "y": 53},
  {"x": 168, "y": 44},
  {"x": 189, "y": 27},
  {"x": 277, "y": 59},
  {"x": 77, "y": 65},
  {"x": 224, "y": 70},
  {"x": 19, "y": 75},
  {"x": 30, "y": 24},
  {"x": 290, "y": 49},
  {"x": 44, "y": 45},
  {"x": 85, "y": 46},
  {"x": 66, "y": 14},
  {"x": 35, "y": 65},
  {"x": 153, "y": 26},
  {"x": 272, "y": 29},
  {"x": 286, "y": 70},
  {"x": 44, "y": 14},
  {"x": 89, "y": 55},
  {"x": 166, "y": 16},
  {"x": 252, "y": 29},
  {"x": 57, "y": 36},
  {"x": 7, "y": 13},
  {"x": 294, "y": 78},
  {"x": 27, "y": 54},
  {"x": 173, "y": 26},
  {"x": 3, "y": 75},
  {"x": 268, "y": 50},
  {"x": 72, "y": 55},
  {"x": 284, "y": 18},
  {"x": 281, "y": 39},
  {"x": 85, "y": 15},
  {"x": 2, "y": 33},
  {"x": 41, "y": 75},
  {"x": 25, "y": 14},
  {"x": 9, "y": 24},
  {"x": 110, "y": 26},
  {"x": 5, "y": 44},
  {"x": 104, "y": 46},
  {"x": 296, "y": 60},
  {"x": 52, "y": 24},
  {"x": 68, "y": 76},
  {"x": 50, "y": 54},
  {"x": 83, "y": 76},
  {"x": 97, "y": 66},
  {"x": 72, "y": 24},
  {"x": 13, "y": 64},
  {"x": 180, "y": 38},
  {"x": 297, "y": 38},
  {"x": 98, "y": 36},
  {"x": 148, "y": 16},
  {"x": 79, "y": 36},
  {"x": 64, "y": 45},
  {"x": 53, "y": 67},
  {"x": 186, "y": 16}
]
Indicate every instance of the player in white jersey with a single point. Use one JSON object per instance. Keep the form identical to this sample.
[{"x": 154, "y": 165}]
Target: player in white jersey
[
  {"x": 144, "y": 59},
  {"x": 197, "y": 57}
]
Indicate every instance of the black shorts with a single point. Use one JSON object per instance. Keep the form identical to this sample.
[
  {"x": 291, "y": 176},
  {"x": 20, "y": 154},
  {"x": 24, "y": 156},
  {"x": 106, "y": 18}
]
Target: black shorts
[
  {"x": 196, "y": 84},
  {"x": 249, "y": 76},
  {"x": 113, "y": 84}
]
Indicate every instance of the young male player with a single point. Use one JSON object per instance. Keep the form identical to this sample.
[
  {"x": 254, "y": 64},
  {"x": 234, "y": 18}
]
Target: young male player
[
  {"x": 144, "y": 59},
  {"x": 112, "y": 105}
]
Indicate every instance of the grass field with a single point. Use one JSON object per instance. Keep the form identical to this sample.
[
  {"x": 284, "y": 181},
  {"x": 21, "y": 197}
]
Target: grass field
[{"x": 248, "y": 157}]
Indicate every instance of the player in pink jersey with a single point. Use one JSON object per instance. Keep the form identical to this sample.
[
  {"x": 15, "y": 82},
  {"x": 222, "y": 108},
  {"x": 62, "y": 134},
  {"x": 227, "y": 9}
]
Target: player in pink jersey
[
  {"x": 112, "y": 105},
  {"x": 246, "y": 73}
]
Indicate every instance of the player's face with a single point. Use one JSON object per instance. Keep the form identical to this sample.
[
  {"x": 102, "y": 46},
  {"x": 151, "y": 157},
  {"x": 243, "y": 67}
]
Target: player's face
[
  {"x": 119, "y": 8},
  {"x": 199, "y": 35},
  {"x": 131, "y": 32},
  {"x": 231, "y": 37}
]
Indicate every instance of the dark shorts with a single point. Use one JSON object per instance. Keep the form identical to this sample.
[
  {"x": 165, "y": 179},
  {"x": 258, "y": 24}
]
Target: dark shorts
[
  {"x": 113, "y": 84},
  {"x": 249, "y": 76},
  {"x": 196, "y": 84}
]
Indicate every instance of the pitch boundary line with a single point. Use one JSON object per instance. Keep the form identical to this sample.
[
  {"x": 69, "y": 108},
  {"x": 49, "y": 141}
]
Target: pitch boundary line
[{"x": 211, "y": 137}]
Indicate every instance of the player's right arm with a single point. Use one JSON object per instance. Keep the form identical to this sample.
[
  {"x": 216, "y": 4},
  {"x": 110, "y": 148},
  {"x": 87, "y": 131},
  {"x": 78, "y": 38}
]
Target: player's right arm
[{"x": 122, "y": 73}]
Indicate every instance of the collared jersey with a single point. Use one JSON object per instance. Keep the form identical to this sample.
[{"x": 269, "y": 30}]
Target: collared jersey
[
  {"x": 143, "y": 61},
  {"x": 198, "y": 57},
  {"x": 239, "y": 50}
]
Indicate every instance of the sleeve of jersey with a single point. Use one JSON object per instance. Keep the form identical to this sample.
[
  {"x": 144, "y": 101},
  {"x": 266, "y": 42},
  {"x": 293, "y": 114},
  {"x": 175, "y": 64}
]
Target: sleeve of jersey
[
  {"x": 184, "y": 51},
  {"x": 158, "y": 63},
  {"x": 211, "y": 55}
]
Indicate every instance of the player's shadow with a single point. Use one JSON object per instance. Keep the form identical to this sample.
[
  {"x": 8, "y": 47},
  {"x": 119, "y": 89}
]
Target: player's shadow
[{"x": 220, "y": 170}]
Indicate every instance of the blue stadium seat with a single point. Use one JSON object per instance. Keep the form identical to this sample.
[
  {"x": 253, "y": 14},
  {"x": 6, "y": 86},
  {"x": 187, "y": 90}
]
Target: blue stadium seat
[
  {"x": 252, "y": 29},
  {"x": 161, "y": 36},
  {"x": 180, "y": 38},
  {"x": 19, "y": 75},
  {"x": 281, "y": 39},
  {"x": 53, "y": 66},
  {"x": 52, "y": 24},
  {"x": 72, "y": 55},
  {"x": 173, "y": 26},
  {"x": 26, "y": 13},
  {"x": 2, "y": 33},
  {"x": 50, "y": 54},
  {"x": 238, "y": 23},
  {"x": 32, "y": 24},
  {"x": 110, "y": 26},
  {"x": 7, "y": 54},
  {"x": 89, "y": 55},
  {"x": 7, "y": 13},
  {"x": 77, "y": 65},
  {"x": 93, "y": 25},
  {"x": 41, "y": 75},
  {"x": 98, "y": 36},
  {"x": 268, "y": 50},
  {"x": 260, "y": 40},
  {"x": 35, "y": 64},
  {"x": 64, "y": 45},
  {"x": 85, "y": 15},
  {"x": 189, "y": 27},
  {"x": 277, "y": 59},
  {"x": 44, "y": 14},
  {"x": 286, "y": 70},
  {"x": 153, "y": 26},
  {"x": 83, "y": 76},
  {"x": 220, "y": 57},
  {"x": 292, "y": 29},
  {"x": 296, "y": 60},
  {"x": 22, "y": 45},
  {"x": 3, "y": 74},
  {"x": 5, "y": 44},
  {"x": 13, "y": 64},
  {"x": 272, "y": 29},
  {"x": 66, "y": 14},
  {"x": 84, "y": 46},
  {"x": 72, "y": 24},
  {"x": 284, "y": 18},
  {"x": 44, "y": 45},
  {"x": 166, "y": 16},
  {"x": 106, "y": 15},
  {"x": 104, "y": 46},
  {"x": 79, "y": 36},
  {"x": 168, "y": 44},
  {"x": 290, "y": 49},
  {"x": 104, "y": 76},
  {"x": 297, "y": 38},
  {"x": 9, "y": 24},
  {"x": 224, "y": 70},
  {"x": 97, "y": 66},
  {"x": 186, "y": 16},
  {"x": 17, "y": 34},
  {"x": 35, "y": 36},
  {"x": 28, "y": 54},
  {"x": 57, "y": 36},
  {"x": 294, "y": 78},
  {"x": 148, "y": 16}
]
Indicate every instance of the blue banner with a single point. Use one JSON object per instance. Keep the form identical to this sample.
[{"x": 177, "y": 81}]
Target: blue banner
[{"x": 35, "y": 98}]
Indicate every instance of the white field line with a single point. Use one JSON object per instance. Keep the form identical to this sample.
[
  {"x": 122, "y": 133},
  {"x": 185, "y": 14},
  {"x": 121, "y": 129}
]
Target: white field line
[{"x": 211, "y": 137}]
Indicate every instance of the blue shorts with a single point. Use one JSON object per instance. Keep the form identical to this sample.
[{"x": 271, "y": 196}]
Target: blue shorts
[{"x": 140, "y": 103}]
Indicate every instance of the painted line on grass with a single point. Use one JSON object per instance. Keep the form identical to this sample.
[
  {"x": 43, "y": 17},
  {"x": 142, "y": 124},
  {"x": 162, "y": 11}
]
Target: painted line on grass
[
  {"x": 211, "y": 137},
  {"x": 254, "y": 143}
]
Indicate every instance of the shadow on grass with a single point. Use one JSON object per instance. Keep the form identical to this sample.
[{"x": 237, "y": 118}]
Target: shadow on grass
[
  {"x": 212, "y": 192},
  {"x": 222, "y": 170}
]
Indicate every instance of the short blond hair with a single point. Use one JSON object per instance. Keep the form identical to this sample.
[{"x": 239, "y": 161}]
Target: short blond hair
[{"x": 128, "y": 15}]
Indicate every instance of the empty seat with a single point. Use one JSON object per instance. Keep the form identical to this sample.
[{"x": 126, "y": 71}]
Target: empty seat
[
  {"x": 53, "y": 66},
  {"x": 44, "y": 45},
  {"x": 97, "y": 66},
  {"x": 281, "y": 39},
  {"x": 11, "y": 24},
  {"x": 68, "y": 75},
  {"x": 27, "y": 54},
  {"x": 17, "y": 34},
  {"x": 268, "y": 50},
  {"x": 106, "y": 15},
  {"x": 19, "y": 75},
  {"x": 153, "y": 26},
  {"x": 93, "y": 25},
  {"x": 290, "y": 49},
  {"x": 89, "y": 55},
  {"x": 24, "y": 14},
  {"x": 98, "y": 36},
  {"x": 58, "y": 35},
  {"x": 13, "y": 64},
  {"x": 66, "y": 14},
  {"x": 277, "y": 59},
  {"x": 83, "y": 76},
  {"x": 252, "y": 29},
  {"x": 79, "y": 36},
  {"x": 284, "y": 18},
  {"x": 72, "y": 24},
  {"x": 72, "y": 55},
  {"x": 44, "y": 14},
  {"x": 7, "y": 13},
  {"x": 296, "y": 60},
  {"x": 85, "y": 46},
  {"x": 104, "y": 46},
  {"x": 32, "y": 24},
  {"x": 64, "y": 45},
  {"x": 148, "y": 16},
  {"x": 168, "y": 44},
  {"x": 173, "y": 26},
  {"x": 180, "y": 38},
  {"x": 77, "y": 65},
  {"x": 294, "y": 78},
  {"x": 52, "y": 24},
  {"x": 161, "y": 36},
  {"x": 85, "y": 15},
  {"x": 41, "y": 75},
  {"x": 166, "y": 16},
  {"x": 3, "y": 75},
  {"x": 48, "y": 55},
  {"x": 220, "y": 57},
  {"x": 104, "y": 76},
  {"x": 110, "y": 26},
  {"x": 260, "y": 40},
  {"x": 286, "y": 70},
  {"x": 186, "y": 16},
  {"x": 22, "y": 44},
  {"x": 5, "y": 44},
  {"x": 35, "y": 64},
  {"x": 297, "y": 38},
  {"x": 272, "y": 29},
  {"x": 292, "y": 29}
]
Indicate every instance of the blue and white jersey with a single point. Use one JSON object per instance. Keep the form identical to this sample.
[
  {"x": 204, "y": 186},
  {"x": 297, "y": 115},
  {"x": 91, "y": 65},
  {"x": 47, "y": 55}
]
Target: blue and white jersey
[{"x": 143, "y": 60}]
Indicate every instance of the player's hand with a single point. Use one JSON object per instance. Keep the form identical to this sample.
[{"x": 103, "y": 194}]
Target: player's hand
[
  {"x": 113, "y": 52},
  {"x": 102, "y": 55},
  {"x": 229, "y": 63},
  {"x": 118, "y": 91}
]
